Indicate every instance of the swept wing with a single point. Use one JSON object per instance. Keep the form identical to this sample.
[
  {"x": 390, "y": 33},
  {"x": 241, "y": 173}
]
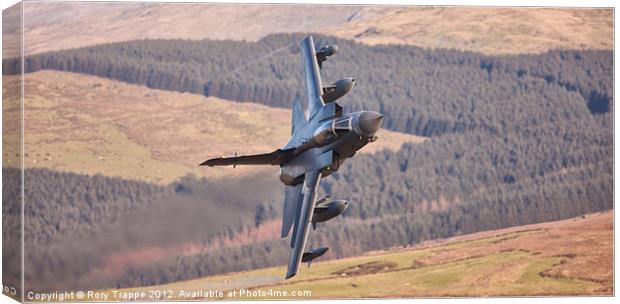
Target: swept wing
[
  {"x": 276, "y": 157},
  {"x": 312, "y": 78},
  {"x": 302, "y": 222}
]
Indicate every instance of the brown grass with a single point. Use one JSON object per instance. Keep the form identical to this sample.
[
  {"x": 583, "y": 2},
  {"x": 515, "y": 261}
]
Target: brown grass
[
  {"x": 489, "y": 30},
  {"x": 567, "y": 257},
  {"x": 366, "y": 268},
  {"x": 585, "y": 244},
  {"x": 55, "y": 26}
]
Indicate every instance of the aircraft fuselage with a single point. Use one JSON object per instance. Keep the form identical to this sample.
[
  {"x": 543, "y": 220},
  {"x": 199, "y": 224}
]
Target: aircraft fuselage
[
  {"x": 344, "y": 135},
  {"x": 322, "y": 138}
]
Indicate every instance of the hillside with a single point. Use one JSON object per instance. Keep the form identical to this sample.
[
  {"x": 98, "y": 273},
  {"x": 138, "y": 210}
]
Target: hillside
[
  {"x": 569, "y": 257},
  {"x": 488, "y": 30},
  {"x": 86, "y": 124},
  {"x": 141, "y": 234},
  {"x": 514, "y": 140},
  {"x": 55, "y": 26},
  {"x": 125, "y": 223},
  {"x": 498, "y": 30},
  {"x": 423, "y": 92}
]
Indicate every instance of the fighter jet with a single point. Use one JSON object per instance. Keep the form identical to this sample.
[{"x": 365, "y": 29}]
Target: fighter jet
[{"x": 322, "y": 138}]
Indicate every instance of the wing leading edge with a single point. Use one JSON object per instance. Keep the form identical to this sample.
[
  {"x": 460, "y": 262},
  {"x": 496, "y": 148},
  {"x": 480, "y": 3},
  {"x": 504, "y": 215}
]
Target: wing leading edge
[{"x": 274, "y": 158}]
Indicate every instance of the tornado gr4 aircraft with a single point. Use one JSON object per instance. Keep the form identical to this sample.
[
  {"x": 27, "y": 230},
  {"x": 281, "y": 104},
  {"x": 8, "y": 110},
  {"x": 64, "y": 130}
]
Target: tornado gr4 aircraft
[{"x": 322, "y": 139}]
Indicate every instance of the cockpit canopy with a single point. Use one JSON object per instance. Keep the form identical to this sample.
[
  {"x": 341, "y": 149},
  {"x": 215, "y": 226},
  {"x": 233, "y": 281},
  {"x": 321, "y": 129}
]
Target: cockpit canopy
[
  {"x": 332, "y": 129},
  {"x": 342, "y": 125}
]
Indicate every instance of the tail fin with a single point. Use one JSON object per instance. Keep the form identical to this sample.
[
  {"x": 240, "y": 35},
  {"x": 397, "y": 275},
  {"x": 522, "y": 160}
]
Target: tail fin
[{"x": 299, "y": 117}]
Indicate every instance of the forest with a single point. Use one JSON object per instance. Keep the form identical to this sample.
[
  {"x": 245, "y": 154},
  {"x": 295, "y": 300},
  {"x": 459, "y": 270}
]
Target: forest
[
  {"x": 424, "y": 92},
  {"x": 513, "y": 140},
  {"x": 451, "y": 186},
  {"x": 448, "y": 186}
]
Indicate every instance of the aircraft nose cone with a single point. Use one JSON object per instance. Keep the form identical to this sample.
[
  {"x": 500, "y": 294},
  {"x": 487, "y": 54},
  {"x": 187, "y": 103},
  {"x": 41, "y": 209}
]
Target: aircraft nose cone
[{"x": 370, "y": 122}]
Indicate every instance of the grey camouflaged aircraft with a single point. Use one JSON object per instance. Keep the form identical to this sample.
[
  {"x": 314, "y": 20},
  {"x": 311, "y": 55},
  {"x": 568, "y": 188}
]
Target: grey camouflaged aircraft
[{"x": 322, "y": 139}]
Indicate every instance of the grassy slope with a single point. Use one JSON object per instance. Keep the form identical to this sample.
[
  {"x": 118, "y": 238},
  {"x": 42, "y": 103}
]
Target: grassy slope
[
  {"x": 55, "y": 26},
  {"x": 91, "y": 125},
  {"x": 568, "y": 257},
  {"x": 487, "y": 30}
]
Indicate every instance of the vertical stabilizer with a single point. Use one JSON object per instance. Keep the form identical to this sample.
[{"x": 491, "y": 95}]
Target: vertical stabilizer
[{"x": 299, "y": 117}]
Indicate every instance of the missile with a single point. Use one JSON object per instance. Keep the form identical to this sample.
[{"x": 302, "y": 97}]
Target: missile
[
  {"x": 338, "y": 89},
  {"x": 313, "y": 254},
  {"x": 328, "y": 211},
  {"x": 325, "y": 52}
]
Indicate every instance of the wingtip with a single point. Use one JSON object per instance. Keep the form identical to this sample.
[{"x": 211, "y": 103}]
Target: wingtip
[
  {"x": 208, "y": 163},
  {"x": 290, "y": 272},
  {"x": 290, "y": 275}
]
